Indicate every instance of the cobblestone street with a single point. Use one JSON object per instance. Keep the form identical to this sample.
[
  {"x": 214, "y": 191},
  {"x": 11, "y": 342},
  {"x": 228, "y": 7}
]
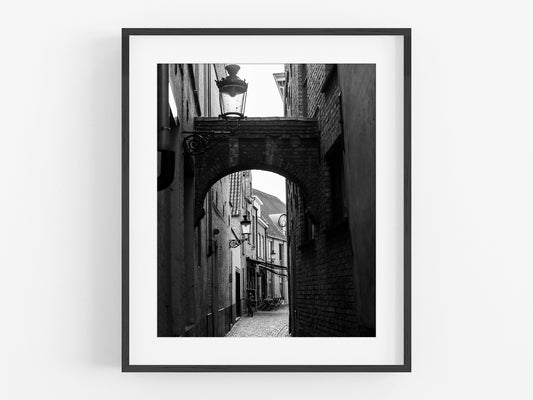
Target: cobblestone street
[{"x": 263, "y": 324}]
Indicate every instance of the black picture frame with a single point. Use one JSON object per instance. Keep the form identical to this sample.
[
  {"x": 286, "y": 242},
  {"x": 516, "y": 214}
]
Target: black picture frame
[{"x": 127, "y": 33}]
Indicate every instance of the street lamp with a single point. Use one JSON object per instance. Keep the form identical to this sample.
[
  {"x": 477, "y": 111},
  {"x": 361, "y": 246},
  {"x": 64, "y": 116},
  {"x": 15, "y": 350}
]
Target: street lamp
[
  {"x": 245, "y": 232},
  {"x": 245, "y": 226},
  {"x": 272, "y": 259},
  {"x": 232, "y": 96},
  {"x": 232, "y": 92}
]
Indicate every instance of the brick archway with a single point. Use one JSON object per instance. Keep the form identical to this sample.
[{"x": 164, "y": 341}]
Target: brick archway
[{"x": 286, "y": 146}]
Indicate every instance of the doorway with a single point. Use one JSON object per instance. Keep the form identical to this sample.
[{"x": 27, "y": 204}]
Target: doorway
[{"x": 238, "y": 293}]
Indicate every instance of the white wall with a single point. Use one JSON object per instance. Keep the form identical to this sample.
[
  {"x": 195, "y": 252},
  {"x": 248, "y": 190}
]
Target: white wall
[{"x": 472, "y": 199}]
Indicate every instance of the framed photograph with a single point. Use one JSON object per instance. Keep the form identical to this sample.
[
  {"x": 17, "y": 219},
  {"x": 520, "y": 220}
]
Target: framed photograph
[{"x": 266, "y": 200}]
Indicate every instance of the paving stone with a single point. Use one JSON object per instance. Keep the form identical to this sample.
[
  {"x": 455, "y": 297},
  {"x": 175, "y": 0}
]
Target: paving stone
[{"x": 263, "y": 324}]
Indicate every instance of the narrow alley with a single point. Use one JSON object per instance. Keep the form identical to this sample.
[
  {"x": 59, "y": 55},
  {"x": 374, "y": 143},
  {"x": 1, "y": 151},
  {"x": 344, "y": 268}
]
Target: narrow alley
[
  {"x": 263, "y": 324},
  {"x": 266, "y": 206}
]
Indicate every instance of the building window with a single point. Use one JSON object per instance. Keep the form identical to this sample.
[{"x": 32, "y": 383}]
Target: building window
[
  {"x": 281, "y": 253},
  {"x": 309, "y": 221},
  {"x": 335, "y": 159},
  {"x": 309, "y": 226},
  {"x": 330, "y": 77},
  {"x": 303, "y": 79},
  {"x": 271, "y": 252},
  {"x": 260, "y": 246},
  {"x": 198, "y": 242},
  {"x": 253, "y": 230}
]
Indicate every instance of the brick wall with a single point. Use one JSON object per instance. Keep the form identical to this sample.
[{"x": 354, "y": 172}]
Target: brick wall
[
  {"x": 323, "y": 301},
  {"x": 288, "y": 147}
]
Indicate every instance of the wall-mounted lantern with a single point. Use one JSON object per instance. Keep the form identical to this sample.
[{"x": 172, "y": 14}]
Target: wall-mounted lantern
[
  {"x": 245, "y": 232},
  {"x": 232, "y": 97},
  {"x": 245, "y": 226},
  {"x": 272, "y": 256},
  {"x": 232, "y": 92}
]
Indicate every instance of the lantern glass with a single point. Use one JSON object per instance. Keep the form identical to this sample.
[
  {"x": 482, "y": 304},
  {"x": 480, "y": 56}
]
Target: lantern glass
[
  {"x": 232, "y": 106},
  {"x": 245, "y": 225},
  {"x": 232, "y": 91}
]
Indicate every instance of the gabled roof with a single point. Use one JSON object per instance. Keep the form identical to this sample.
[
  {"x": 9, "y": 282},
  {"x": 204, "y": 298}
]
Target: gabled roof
[
  {"x": 271, "y": 206},
  {"x": 235, "y": 193}
]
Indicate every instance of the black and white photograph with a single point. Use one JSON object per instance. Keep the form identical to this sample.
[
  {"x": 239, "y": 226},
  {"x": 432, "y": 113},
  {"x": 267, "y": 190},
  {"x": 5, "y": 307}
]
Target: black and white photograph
[
  {"x": 266, "y": 200},
  {"x": 277, "y": 199}
]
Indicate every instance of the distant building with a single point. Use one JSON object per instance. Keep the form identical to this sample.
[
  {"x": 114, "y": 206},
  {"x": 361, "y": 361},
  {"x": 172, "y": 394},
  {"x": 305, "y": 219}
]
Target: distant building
[
  {"x": 273, "y": 211},
  {"x": 279, "y": 78},
  {"x": 240, "y": 184},
  {"x": 259, "y": 263}
]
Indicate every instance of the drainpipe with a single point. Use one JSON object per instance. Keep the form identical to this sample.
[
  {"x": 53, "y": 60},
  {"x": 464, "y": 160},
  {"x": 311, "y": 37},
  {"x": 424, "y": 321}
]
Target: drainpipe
[
  {"x": 255, "y": 239},
  {"x": 266, "y": 260},
  {"x": 256, "y": 257}
]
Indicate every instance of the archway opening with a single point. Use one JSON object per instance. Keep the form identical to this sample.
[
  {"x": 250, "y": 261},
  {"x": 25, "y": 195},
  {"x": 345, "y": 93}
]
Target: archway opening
[{"x": 247, "y": 259}]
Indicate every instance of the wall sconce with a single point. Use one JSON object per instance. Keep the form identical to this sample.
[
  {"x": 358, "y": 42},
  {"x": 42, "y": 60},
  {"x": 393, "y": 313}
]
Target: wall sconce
[
  {"x": 232, "y": 98},
  {"x": 245, "y": 232}
]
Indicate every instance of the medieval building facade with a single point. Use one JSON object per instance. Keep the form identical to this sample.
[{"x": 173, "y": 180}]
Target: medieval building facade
[
  {"x": 194, "y": 261},
  {"x": 332, "y": 246},
  {"x": 273, "y": 211},
  {"x": 256, "y": 264}
]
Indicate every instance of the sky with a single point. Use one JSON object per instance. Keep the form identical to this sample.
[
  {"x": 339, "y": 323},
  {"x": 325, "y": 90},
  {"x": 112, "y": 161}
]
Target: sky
[
  {"x": 263, "y": 100},
  {"x": 270, "y": 183}
]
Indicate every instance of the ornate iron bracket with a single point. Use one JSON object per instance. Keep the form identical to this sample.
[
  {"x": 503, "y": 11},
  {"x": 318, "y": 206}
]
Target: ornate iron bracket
[
  {"x": 235, "y": 243},
  {"x": 198, "y": 142}
]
